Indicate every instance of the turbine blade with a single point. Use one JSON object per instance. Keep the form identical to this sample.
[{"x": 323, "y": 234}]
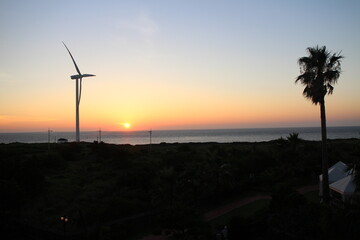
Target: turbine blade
[
  {"x": 77, "y": 69},
  {"x": 88, "y": 75}
]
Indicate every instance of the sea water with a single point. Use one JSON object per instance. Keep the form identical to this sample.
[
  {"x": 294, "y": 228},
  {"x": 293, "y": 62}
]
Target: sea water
[{"x": 183, "y": 136}]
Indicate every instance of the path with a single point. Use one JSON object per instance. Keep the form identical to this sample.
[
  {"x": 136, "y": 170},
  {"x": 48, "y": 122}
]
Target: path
[{"x": 231, "y": 206}]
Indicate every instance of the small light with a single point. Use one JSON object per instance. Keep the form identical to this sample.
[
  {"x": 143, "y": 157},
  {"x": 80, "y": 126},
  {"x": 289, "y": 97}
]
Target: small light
[
  {"x": 62, "y": 218},
  {"x": 66, "y": 220}
]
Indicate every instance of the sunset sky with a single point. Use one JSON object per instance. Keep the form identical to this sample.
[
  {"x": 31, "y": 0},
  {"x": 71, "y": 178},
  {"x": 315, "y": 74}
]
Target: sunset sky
[{"x": 192, "y": 64}]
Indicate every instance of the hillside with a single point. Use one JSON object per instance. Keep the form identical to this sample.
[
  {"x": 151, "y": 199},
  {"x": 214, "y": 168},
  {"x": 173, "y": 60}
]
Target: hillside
[{"x": 144, "y": 187}]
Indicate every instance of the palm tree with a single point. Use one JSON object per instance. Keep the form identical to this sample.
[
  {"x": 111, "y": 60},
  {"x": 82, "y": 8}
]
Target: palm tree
[
  {"x": 293, "y": 138},
  {"x": 319, "y": 72}
]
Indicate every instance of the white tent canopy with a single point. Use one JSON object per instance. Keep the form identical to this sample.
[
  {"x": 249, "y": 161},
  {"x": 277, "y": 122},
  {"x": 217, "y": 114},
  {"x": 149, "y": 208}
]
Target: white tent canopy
[
  {"x": 337, "y": 172},
  {"x": 345, "y": 185},
  {"x": 341, "y": 182}
]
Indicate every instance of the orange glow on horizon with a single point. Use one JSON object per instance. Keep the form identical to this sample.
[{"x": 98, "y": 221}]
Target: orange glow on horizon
[{"x": 206, "y": 112}]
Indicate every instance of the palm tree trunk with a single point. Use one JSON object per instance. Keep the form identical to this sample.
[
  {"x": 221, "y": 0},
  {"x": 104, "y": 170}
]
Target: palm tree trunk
[{"x": 325, "y": 164}]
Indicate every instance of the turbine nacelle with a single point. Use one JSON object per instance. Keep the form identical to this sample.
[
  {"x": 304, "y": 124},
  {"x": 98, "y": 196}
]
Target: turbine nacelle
[{"x": 79, "y": 76}]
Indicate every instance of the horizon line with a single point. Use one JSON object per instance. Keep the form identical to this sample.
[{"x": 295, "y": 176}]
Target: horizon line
[{"x": 193, "y": 129}]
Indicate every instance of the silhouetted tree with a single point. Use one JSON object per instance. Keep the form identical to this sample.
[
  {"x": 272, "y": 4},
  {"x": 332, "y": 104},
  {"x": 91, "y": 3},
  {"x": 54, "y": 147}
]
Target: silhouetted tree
[
  {"x": 319, "y": 72},
  {"x": 293, "y": 137}
]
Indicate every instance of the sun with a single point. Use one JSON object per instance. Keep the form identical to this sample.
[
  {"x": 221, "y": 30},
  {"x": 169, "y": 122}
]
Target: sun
[{"x": 126, "y": 125}]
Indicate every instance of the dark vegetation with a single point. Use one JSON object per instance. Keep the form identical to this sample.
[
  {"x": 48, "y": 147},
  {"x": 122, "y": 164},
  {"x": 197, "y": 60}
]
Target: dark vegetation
[
  {"x": 122, "y": 191},
  {"x": 291, "y": 216}
]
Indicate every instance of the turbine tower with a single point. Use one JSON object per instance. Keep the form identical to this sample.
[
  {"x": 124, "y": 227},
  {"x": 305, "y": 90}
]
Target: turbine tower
[{"x": 77, "y": 77}]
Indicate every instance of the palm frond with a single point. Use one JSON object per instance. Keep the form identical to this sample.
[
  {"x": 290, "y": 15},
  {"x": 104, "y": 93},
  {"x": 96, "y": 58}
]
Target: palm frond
[
  {"x": 331, "y": 76},
  {"x": 306, "y": 78},
  {"x": 335, "y": 60},
  {"x": 319, "y": 71},
  {"x": 329, "y": 88}
]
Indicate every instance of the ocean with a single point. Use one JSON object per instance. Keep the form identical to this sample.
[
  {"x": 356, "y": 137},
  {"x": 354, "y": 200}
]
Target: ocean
[{"x": 184, "y": 136}]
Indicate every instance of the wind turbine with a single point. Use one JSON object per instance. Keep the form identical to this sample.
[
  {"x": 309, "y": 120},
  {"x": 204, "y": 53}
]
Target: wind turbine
[{"x": 77, "y": 77}]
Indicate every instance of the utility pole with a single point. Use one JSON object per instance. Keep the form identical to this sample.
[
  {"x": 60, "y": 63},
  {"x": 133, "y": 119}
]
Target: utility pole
[
  {"x": 150, "y": 132},
  {"x": 49, "y": 131},
  {"x": 49, "y": 135}
]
